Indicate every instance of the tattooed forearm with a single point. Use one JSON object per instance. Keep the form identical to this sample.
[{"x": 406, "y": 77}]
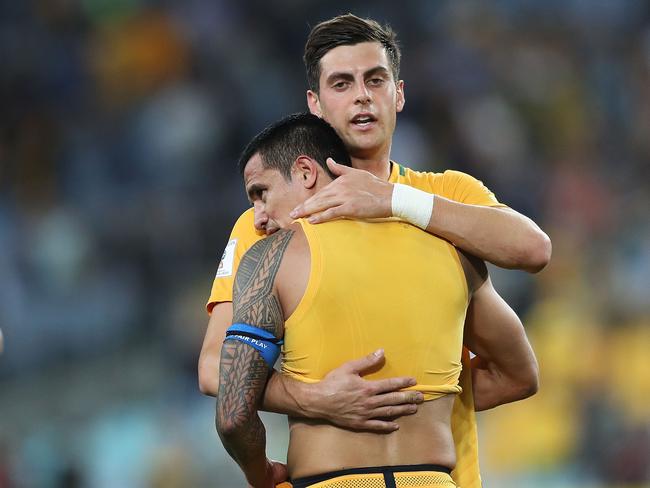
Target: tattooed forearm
[
  {"x": 242, "y": 379},
  {"x": 253, "y": 300},
  {"x": 243, "y": 372}
]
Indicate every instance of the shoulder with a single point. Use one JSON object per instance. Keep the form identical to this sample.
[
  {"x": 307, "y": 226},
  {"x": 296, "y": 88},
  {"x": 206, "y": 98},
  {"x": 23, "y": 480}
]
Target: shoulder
[
  {"x": 267, "y": 254},
  {"x": 423, "y": 180},
  {"x": 454, "y": 185},
  {"x": 265, "y": 274},
  {"x": 273, "y": 246}
]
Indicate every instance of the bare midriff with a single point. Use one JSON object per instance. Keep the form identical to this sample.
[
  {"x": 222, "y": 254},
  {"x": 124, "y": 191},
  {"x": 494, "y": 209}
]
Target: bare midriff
[{"x": 317, "y": 447}]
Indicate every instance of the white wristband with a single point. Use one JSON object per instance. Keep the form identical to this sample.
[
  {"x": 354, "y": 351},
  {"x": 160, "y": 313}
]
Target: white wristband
[{"x": 412, "y": 205}]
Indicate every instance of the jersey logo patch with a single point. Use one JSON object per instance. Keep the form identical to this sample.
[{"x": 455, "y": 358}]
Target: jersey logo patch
[{"x": 225, "y": 265}]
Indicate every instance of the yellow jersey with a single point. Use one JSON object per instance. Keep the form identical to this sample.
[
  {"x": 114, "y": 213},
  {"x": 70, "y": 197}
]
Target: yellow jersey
[
  {"x": 348, "y": 311},
  {"x": 450, "y": 184}
]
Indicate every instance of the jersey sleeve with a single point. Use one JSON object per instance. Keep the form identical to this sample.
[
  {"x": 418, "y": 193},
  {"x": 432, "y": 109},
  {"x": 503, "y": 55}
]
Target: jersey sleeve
[
  {"x": 464, "y": 188},
  {"x": 242, "y": 237}
]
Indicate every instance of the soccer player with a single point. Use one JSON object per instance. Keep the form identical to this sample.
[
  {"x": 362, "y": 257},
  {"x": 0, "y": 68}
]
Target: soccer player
[
  {"x": 353, "y": 72},
  {"x": 322, "y": 289}
]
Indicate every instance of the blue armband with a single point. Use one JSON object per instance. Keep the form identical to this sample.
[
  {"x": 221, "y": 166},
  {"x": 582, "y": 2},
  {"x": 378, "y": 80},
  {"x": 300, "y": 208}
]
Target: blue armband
[{"x": 265, "y": 342}]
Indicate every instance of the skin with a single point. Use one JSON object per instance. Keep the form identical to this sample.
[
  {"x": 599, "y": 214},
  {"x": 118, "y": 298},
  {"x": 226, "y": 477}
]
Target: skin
[{"x": 318, "y": 446}]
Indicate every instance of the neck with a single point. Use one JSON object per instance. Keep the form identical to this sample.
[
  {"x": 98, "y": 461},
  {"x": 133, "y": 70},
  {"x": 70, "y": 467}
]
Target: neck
[{"x": 380, "y": 167}]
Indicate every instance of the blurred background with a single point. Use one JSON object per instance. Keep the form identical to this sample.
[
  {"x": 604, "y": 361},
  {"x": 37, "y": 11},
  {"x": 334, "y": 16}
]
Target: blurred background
[{"x": 120, "y": 125}]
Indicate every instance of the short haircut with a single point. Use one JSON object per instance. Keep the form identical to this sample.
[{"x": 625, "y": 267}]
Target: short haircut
[
  {"x": 347, "y": 30},
  {"x": 301, "y": 134}
]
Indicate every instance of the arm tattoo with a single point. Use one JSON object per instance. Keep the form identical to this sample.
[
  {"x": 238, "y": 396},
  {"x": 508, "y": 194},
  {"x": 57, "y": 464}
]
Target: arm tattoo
[
  {"x": 243, "y": 372},
  {"x": 253, "y": 300}
]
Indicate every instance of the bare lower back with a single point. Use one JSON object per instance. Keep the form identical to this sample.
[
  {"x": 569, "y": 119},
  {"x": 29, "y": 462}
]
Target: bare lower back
[{"x": 423, "y": 438}]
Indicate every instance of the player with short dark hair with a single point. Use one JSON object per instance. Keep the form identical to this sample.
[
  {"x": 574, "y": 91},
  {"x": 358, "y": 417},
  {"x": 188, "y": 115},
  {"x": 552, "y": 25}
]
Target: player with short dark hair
[{"x": 322, "y": 290}]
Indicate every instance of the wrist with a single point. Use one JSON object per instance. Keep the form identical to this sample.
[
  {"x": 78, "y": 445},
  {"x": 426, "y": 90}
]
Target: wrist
[
  {"x": 412, "y": 205},
  {"x": 301, "y": 397},
  {"x": 308, "y": 399},
  {"x": 258, "y": 472}
]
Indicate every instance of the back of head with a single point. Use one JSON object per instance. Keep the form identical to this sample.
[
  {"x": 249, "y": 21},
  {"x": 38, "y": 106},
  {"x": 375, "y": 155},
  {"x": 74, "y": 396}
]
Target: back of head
[
  {"x": 301, "y": 134},
  {"x": 347, "y": 30}
]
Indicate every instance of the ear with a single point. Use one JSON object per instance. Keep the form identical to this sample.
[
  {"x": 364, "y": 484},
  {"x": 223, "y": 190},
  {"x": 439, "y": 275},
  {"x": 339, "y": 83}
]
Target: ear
[
  {"x": 401, "y": 98},
  {"x": 314, "y": 103},
  {"x": 305, "y": 171}
]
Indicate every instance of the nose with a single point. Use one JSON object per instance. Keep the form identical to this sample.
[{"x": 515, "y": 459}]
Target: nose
[
  {"x": 261, "y": 218},
  {"x": 363, "y": 95}
]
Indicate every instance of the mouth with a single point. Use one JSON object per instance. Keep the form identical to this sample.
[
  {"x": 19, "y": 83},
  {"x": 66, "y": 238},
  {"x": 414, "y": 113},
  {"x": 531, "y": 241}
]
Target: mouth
[{"x": 363, "y": 120}]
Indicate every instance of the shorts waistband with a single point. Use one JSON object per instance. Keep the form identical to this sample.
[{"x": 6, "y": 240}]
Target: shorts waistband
[{"x": 385, "y": 470}]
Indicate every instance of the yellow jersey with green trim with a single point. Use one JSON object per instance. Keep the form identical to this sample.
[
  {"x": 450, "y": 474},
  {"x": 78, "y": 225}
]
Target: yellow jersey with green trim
[{"x": 379, "y": 284}]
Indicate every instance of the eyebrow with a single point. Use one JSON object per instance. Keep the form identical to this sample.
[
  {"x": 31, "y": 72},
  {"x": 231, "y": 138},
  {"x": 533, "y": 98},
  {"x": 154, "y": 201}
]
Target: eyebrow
[{"x": 345, "y": 75}]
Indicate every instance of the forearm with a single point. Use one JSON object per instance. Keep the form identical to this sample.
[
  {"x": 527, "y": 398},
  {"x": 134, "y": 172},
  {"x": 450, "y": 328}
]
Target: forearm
[
  {"x": 209, "y": 372},
  {"x": 288, "y": 396},
  {"x": 243, "y": 374},
  {"x": 498, "y": 235},
  {"x": 245, "y": 441},
  {"x": 507, "y": 377},
  {"x": 491, "y": 387},
  {"x": 210, "y": 357}
]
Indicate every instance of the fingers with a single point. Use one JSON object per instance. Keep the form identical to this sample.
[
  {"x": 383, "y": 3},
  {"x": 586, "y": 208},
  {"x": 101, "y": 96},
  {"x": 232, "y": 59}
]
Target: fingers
[
  {"x": 377, "y": 426},
  {"x": 358, "y": 366},
  {"x": 410, "y": 397},
  {"x": 392, "y": 384},
  {"x": 336, "y": 168},
  {"x": 327, "y": 215},
  {"x": 394, "y": 411},
  {"x": 317, "y": 203}
]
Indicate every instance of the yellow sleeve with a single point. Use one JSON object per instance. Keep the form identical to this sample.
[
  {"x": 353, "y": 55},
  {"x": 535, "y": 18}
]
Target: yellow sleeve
[
  {"x": 464, "y": 188},
  {"x": 242, "y": 237}
]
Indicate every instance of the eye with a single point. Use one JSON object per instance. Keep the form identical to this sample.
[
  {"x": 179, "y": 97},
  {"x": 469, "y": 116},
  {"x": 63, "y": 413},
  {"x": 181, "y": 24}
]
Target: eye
[
  {"x": 257, "y": 194},
  {"x": 340, "y": 85},
  {"x": 376, "y": 81}
]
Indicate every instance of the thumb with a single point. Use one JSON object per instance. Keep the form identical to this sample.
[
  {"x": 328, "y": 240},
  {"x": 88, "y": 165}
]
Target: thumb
[
  {"x": 336, "y": 168},
  {"x": 372, "y": 360}
]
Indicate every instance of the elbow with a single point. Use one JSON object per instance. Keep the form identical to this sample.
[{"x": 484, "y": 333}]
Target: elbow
[
  {"x": 227, "y": 429},
  {"x": 230, "y": 424},
  {"x": 538, "y": 252},
  {"x": 528, "y": 385},
  {"x": 529, "y": 389}
]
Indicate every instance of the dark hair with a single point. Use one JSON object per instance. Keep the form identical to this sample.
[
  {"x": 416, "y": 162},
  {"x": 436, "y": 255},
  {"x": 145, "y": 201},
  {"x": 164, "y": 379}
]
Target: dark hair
[
  {"x": 298, "y": 134},
  {"x": 347, "y": 30}
]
